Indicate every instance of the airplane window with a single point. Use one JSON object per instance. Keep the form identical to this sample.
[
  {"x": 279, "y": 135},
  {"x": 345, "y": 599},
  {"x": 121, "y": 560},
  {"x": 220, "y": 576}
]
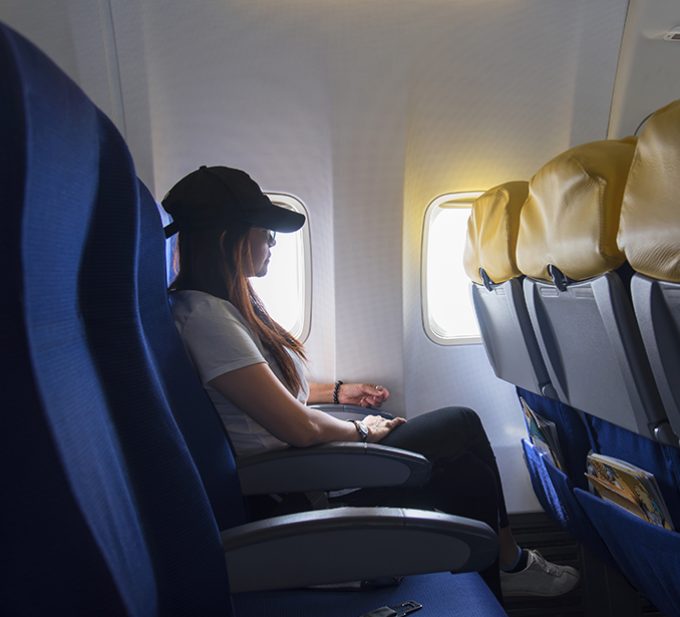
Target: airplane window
[
  {"x": 286, "y": 290},
  {"x": 448, "y": 314}
]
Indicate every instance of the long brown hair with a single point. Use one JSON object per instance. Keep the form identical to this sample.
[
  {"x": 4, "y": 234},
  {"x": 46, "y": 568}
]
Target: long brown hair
[{"x": 213, "y": 261}]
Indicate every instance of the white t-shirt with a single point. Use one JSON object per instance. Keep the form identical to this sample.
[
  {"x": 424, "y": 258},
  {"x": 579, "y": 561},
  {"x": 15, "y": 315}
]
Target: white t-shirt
[{"x": 219, "y": 340}]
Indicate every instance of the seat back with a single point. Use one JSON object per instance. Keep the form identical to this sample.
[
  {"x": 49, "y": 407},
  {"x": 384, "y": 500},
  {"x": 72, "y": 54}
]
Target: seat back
[
  {"x": 514, "y": 352},
  {"x": 61, "y": 465},
  {"x": 650, "y": 238},
  {"x": 578, "y": 303},
  {"x": 168, "y": 361},
  {"x": 108, "y": 514},
  {"x": 501, "y": 311}
]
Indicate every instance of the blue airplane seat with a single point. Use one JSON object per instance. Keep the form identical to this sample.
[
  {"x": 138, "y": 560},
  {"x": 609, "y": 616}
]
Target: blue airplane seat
[
  {"x": 205, "y": 435},
  {"x": 75, "y": 518},
  {"x": 42, "y": 518}
]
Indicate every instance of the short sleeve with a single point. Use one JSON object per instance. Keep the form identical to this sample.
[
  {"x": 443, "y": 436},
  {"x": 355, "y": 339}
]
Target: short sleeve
[{"x": 217, "y": 341}]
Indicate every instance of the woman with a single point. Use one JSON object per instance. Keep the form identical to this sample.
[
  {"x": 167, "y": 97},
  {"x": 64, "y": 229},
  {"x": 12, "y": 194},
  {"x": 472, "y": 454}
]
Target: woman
[{"x": 254, "y": 373}]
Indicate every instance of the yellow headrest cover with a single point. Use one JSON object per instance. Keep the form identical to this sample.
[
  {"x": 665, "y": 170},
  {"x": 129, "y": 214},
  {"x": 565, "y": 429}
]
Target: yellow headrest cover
[
  {"x": 571, "y": 217},
  {"x": 492, "y": 232},
  {"x": 650, "y": 215}
]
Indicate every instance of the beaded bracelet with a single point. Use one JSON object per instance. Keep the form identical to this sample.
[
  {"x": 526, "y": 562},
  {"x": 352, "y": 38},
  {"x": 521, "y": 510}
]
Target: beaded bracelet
[{"x": 336, "y": 391}]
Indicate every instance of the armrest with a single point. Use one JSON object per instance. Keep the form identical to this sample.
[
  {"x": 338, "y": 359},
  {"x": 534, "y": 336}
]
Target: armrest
[
  {"x": 331, "y": 467},
  {"x": 348, "y": 544},
  {"x": 350, "y": 412}
]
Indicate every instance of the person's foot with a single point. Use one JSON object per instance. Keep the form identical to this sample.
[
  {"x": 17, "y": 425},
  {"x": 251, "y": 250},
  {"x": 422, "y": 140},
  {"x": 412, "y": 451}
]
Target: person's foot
[{"x": 539, "y": 578}]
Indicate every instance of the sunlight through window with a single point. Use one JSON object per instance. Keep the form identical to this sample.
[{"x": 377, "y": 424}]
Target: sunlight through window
[
  {"x": 286, "y": 289},
  {"x": 448, "y": 314}
]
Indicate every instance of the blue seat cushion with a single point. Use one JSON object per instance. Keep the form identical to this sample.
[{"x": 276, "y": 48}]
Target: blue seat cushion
[{"x": 442, "y": 595}]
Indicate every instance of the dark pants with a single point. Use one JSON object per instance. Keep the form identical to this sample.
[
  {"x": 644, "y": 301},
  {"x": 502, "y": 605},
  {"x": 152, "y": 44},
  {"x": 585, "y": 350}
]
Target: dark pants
[{"x": 464, "y": 481}]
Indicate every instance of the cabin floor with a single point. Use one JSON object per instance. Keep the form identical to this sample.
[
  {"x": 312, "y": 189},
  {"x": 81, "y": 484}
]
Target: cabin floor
[{"x": 539, "y": 531}]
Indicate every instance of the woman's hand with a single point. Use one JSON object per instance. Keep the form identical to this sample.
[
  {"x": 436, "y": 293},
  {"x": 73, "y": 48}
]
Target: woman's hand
[
  {"x": 379, "y": 427},
  {"x": 362, "y": 394}
]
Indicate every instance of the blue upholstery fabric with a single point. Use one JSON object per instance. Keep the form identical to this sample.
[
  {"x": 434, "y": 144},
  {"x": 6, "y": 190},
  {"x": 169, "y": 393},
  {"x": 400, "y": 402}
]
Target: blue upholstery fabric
[
  {"x": 442, "y": 595},
  {"x": 71, "y": 532},
  {"x": 554, "y": 488},
  {"x": 166, "y": 482},
  {"x": 540, "y": 481},
  {"x": 555, "y": 492},
  {"x": 648, "y": 555},
  {"x": 192, "y": 409},
  {"x": 90, "y": 529}
]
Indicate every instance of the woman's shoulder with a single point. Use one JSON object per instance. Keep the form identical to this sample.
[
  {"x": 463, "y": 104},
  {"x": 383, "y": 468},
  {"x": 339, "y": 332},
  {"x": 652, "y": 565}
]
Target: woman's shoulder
[{"x": 192, "y": 303}]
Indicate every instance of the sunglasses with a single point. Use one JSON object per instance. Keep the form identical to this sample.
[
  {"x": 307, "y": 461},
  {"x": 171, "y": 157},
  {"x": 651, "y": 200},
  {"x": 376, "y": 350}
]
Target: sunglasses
[{"x": 271, "y": 237}]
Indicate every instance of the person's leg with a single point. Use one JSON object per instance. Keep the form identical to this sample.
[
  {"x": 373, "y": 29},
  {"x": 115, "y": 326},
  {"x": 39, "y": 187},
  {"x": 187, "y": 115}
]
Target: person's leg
[
  {"x": 465, "y": 494},
  {"x": 466, "y": 481},
  {"x": 446, "y": 433},
  {"x": 443, "y": 437},
  {"x": 510, "y": 554},
  {"x": 450, "y": 438}
]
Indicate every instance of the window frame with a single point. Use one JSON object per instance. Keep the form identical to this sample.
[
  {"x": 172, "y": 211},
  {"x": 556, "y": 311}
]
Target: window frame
[
  {"x": 290, "y": 201},
  {"x": 457, "y": 200}
]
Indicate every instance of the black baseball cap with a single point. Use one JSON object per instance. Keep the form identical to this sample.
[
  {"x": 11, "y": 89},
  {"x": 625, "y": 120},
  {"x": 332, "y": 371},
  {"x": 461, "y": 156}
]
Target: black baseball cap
[{"x": 216, "y": 196}]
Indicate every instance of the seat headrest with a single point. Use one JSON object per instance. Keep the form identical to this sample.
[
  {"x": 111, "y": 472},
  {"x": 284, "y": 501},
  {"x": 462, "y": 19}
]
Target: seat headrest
[
  {"x": 650, "y": 215},
  {"x": 571, "y": 217},
  {"x": 492, "y": 232}
]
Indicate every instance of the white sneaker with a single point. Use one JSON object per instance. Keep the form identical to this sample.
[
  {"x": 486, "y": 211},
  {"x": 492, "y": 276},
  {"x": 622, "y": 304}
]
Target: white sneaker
[{"x": 539, "y": 578}]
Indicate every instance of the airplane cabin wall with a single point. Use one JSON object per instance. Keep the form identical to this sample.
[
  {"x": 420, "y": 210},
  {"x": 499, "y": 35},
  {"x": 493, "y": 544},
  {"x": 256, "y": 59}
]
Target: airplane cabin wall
[
  {"x": 366, "y": 111},
  {"x": 649, "y": 67}
]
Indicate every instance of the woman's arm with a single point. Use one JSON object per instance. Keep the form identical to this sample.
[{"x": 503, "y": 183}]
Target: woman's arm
[
  {"x": 363, "y": 394},
  {"x": 256, "y": 391}
]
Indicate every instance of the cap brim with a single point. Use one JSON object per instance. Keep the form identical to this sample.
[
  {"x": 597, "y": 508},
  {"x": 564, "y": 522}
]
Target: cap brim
[{"x": 276, "y": 218}]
